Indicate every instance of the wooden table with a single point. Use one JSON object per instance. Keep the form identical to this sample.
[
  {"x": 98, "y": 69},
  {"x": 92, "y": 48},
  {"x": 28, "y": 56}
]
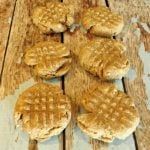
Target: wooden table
[{"x": 17, "y": 32}]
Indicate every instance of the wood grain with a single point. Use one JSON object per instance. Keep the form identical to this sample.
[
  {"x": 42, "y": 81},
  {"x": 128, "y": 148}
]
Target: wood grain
[
  {"x": 6, "y": 14},
  {"x": 135, "y": 8},
  {"x": 136, "y": 36},
  {"x": 12, "y": 138},
  {"x": 17, "y": 32},
  {"x": 22, "y": 34},
  {"x": 76, "y": 81}
]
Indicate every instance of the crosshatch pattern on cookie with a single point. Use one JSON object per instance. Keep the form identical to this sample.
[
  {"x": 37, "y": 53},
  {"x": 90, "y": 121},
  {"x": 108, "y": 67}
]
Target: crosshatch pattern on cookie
[
  {"x": 49, "y": 58},
  {"x": 104, "y": 58},
  {"x": 42, "y": 107},
  {"x": 54, "y": 17},
  {"x": 101, "y": 21},
  {"x": 112, "y": 113}
]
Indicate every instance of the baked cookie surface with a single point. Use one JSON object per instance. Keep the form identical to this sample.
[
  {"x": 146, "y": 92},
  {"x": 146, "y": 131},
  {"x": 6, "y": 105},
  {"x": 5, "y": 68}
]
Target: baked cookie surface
[
  {"x": 111, "y": 113},
  {"x": 53, "y": 17},
  {"x": 49, "y": 58},
  {"x": 105, "y": 58},
  {"x": 101, "y": 21},
  {"x": 42, "y": 111}
]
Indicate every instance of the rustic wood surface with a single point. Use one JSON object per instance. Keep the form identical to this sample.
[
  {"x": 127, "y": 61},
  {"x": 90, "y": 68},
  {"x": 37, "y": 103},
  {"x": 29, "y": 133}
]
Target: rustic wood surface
[
  {"x": 21, "y": 34},
  {"x": 6, "y": 15},
  {"x": 78, "y": 80},
  {"x": 136, "y": 36},
  {"x": 17, "y": 32}
]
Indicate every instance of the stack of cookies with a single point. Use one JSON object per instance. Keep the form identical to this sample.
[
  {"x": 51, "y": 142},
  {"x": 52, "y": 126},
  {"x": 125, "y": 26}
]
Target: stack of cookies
[{"x": 43, "y": 110}]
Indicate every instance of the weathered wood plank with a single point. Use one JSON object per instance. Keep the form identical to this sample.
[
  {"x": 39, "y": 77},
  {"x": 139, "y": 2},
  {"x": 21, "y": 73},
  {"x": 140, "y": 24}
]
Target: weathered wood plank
[
  {"x": 136, "y": 36},
  {"x": 134, "y": 8},
  {"x": 6, "y": 14},
  {"x": 25, "y": 35},
  {"x": 22, "y": 34},
  {"x": 75, "y": 82}
]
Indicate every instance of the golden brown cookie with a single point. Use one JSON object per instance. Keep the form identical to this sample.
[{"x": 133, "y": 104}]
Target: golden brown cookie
[
  {"x": 42, "y": 111},
  {"x": 111, "y": 113},
  {"x": 49, "y": 58},
  {"x": 104, "y": 57},
  {"x": 53, "y": 17},
  {"x": 101, "y": 21}
]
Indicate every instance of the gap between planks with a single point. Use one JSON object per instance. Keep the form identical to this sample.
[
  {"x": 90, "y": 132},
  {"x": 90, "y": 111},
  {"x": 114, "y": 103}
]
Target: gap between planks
[
  {"x": 63, "y": 88},
  {"x": 7, "y": 42},
  {"x": 70, "y": 131}
]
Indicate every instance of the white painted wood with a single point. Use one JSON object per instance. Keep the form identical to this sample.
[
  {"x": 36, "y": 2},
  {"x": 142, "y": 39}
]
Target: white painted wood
[
  {"x": 81, "y": 141},
  {"x": 127, "y": 144},
  {"x": 145, "y": 57},
  {"x": 51, "y": 144}
]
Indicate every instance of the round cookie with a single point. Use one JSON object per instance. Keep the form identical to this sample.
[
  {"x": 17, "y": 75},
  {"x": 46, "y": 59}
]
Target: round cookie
[
  {"x": 111, "y": 113},
  {"x": 53, "y": 17},
  {"x": 101, "y": 21},
  {"x": 49, "y": 58},
  {"x": 42, "y": 111},
  {"x": 104, "y": 57}
]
